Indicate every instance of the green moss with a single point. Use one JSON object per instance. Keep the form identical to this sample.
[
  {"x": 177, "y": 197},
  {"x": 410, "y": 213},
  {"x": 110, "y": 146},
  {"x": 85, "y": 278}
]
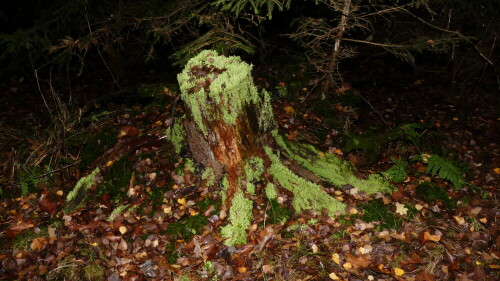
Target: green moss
[
  {"x": 186, "y": 228},
  {"x": 171, "y": 253},
  {"x": 233, "y": 89},
  {"x": 375, "y": 210},
  {"x": 432, "y": 193},
  {"x": 270, "y": 191},
  {"x": 329, "y": 167},
  {"x": 240, "y": 217},
  {"x": 79, "y": 193},
  {"x": 116, "y": 180},
  {"x": 177, "y": 136},
  {"x": 307, "y": 195},
  {"x": 203, "y": 205},
  {"x": 208, "y": 176},
  {"x": 118, "y": 210},
  {"x": 254, "y": 167},
  {"x": 278, "y": 213}
]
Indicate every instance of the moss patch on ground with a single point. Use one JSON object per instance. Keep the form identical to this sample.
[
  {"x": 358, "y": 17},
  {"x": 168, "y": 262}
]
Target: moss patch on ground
[
  {"x": 307, "y": 195},
  {"x": 375, "y": 210},
  {"x": 432, "y": 194},
  {"x": 329, "y": 167}
]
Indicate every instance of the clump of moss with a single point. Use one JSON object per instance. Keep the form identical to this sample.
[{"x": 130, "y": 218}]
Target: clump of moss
[
  {"x": 307, "y": 195},
  {"x": 432, "y": 194},
  {"x": 375, "y": 210},
  {"x": 77, "y": 196},
  {"x": 177, "y": 136},
  {"x": 240, "y": 217},
  {"x": 329, "y": 167},
  {"x": 186, "y": 228}
]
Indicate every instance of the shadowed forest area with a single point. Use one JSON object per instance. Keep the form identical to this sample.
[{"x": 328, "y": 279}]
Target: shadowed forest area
[{"x": 249, "y": 140}]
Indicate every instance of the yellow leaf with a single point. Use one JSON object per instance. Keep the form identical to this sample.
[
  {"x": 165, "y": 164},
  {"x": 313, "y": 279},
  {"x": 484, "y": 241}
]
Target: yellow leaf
[
  {"x": 181, "y": 201},
  {"x": 460, "y": 220},
  {"x": 347, "y": 265},
  {"x": 494, "y": 266},
  {"x": 398, "y": 271},
  {"x": 167, "y": 210},
  {"x": 122, "y": 229},
  {"x": 290, "y": 110},
  {"x": 109, "y": 164},
  {"x": 60, "y": 193},
  {"x": 336, "y": 258},
  {"x": 353, "y": 211},
  {"x": 430, "y": 237},
  {"x": 483, "y": 220},
  {"x": 497, "y": 171},
  {"x": 333, "y": 276},
  {"x": 242, "y": 269}
]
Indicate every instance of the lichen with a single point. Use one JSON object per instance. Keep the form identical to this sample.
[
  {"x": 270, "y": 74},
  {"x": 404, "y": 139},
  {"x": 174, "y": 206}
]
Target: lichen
[
  {"x": 330, "y": 168},
  {"x": 307, "y": 195},
  {"x": 231, "y": 88},
  {"x": 177, "y": 136},
  {"x": 240, "y": 217},
  {"x": 76, "y": 196}
]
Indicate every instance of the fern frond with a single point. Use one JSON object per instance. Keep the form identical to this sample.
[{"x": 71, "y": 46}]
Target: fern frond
[{"x": 445, "y": 169}]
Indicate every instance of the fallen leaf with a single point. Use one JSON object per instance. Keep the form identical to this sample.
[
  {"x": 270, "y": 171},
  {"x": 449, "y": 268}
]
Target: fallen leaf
[
  {"x": 181, "y": 201},
  {"x": 398, "y": 271},
  {"x": 401, "y": 209},
  {"x": 38, "y": 243},
  {"x": 123, "y": 229},
  {"x": 430, "y": 237},
  {"x": 333, "y": 276},
  {"x": 109, "y": 164},
  {"x": 460, "y": 220},
  {"x": 289, "y": 110},
  {"x": 361, "y": 260},
  {"x": 314, "y": 248},
  {"x": 497, "y": 171},
  {"x": 267, "y": 268},
  {"x": 336, "y": 258}
]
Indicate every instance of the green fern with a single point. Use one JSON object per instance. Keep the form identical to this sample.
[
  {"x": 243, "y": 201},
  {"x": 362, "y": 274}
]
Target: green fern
[{"x": 445, "y": 169}]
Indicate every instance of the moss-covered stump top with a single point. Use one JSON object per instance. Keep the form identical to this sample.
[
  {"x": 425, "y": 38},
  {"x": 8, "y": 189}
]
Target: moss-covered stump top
[{"x": 217, "y": 87}]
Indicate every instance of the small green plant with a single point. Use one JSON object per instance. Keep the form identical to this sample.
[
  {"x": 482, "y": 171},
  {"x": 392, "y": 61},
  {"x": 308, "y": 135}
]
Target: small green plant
[
  {"x": 375, "y": 210},
  {"x": 432, "y": 193},
  {"x": 29, "y": 180},
  {"x": 398, "y": 172},
  {"x": 444, "y": 168}
]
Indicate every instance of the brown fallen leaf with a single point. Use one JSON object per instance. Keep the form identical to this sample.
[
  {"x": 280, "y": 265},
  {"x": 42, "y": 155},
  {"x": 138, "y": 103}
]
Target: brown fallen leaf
[
  {"x": 430, "y": 237},
  {"x": 361, "y": 261}
]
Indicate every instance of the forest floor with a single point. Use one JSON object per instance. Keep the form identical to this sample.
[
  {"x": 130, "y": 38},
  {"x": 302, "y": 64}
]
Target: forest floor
[{"x": 151, "y": 215}]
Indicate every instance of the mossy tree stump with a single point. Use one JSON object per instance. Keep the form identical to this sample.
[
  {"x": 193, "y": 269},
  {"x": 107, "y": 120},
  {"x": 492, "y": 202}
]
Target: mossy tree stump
[{"x": 227, "y": 120}]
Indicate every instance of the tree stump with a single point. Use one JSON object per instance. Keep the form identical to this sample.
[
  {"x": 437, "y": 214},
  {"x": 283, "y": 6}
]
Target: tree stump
[{"x": 227, "y": 120}]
